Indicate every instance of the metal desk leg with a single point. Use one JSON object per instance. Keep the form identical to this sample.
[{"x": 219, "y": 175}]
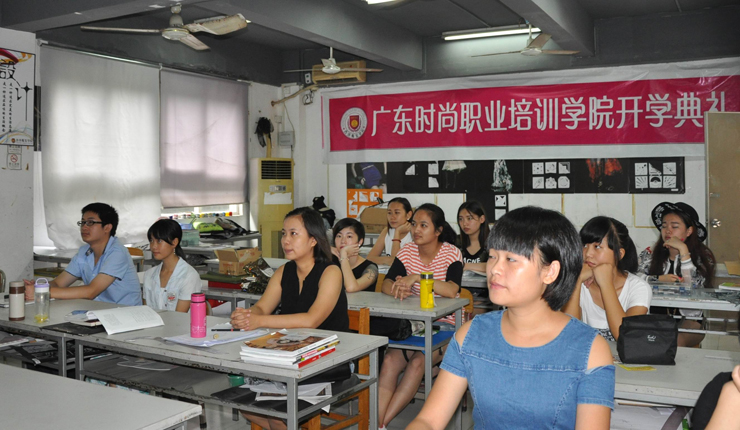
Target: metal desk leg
[
  {"x": 374, "y": 390},
  {"x": 292, "y": 404},
  {"x": 62, "y": 356},
  {"x": 79, "y": 355},
  {"x": 427, "y": 358}
]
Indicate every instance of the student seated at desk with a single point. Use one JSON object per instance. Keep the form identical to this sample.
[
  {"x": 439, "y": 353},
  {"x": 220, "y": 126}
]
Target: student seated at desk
[
  {"x": 396, "y": 235},
  {"x": 309, "y": 287},
  {"x": 431, "y": 251},
  {"x": 530, "y": 366},
  {"x": 679, "y": 256},
  {"x": 608, "y": 290},
  {"x": 168, "y": 286},
  {"x": 471, "y": 218},
  {"x": 103, "y": 263},
  {"x": 358, "y": 274}
]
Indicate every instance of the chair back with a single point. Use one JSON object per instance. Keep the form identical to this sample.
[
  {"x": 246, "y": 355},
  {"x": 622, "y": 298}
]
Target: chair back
[
  {"x": 466, "y": 294},
  {"x": 379, "y": 283},
  {"x": 359, "y": 320},
  {"x": 136, "y": 251}
]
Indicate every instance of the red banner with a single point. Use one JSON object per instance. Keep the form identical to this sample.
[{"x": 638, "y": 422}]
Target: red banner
[{"x": 628, "y": 112}]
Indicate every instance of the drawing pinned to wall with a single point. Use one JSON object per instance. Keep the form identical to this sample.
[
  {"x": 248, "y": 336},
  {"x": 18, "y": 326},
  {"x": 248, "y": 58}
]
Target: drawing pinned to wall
[
  {"x": 657, "y": 175},
  {"x": 495, "y": 204},
  {"x": 451, "y": 170},
  {"x": 502, "y": 181},
  {"x": 367, "y": 175},
  {"x": 548, "y": 177},
  {"x": 358, "y": 199},
  {"x": 600, "y": 175}
]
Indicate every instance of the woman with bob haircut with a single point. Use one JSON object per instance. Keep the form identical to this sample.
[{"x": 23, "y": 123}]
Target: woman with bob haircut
[
  {"x": 529, "y": 366},
  {"x": 169, "y": 286},
  {"x": 431, "y": 251},
  {"x": 609, "y": 291},
  {"x": 358, "y": 274},
  {"x": 473, "y": 223},
  {"x": 309, "y": 288}
]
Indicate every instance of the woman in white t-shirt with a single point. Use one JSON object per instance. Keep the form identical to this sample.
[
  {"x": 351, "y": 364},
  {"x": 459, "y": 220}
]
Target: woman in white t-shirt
[
  {"x": 609, "y": 291},
  {"x": 168, "y": 286},
  {"x": 395, "y": 235}
]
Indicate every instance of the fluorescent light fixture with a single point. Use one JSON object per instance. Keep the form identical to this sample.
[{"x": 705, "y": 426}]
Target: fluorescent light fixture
[
  {"x": 377, "y": 1},
  {"x": 488, "y": 32}
]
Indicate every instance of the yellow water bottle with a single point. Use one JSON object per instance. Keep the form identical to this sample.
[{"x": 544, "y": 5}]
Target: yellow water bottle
[{"x": 426, "y": 287}]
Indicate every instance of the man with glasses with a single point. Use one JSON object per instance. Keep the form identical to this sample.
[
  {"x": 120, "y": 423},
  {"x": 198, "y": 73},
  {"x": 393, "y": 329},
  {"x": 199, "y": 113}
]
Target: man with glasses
[{"x": 103, "y": 263}]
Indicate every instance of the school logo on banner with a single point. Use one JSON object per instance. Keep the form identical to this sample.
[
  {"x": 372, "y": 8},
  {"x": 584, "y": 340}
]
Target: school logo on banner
[{"x": 354, "y": 123}]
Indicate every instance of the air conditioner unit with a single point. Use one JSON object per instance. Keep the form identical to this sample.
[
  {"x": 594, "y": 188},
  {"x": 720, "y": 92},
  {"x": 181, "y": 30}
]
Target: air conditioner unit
[
  {"x": 270, "y": 199},
  {"x": 343, "y": 77}
]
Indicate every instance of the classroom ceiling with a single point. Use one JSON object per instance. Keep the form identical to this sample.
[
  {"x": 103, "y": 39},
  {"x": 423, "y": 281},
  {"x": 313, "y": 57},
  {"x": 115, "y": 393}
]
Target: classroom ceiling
[{"x": 403, "y": 37}]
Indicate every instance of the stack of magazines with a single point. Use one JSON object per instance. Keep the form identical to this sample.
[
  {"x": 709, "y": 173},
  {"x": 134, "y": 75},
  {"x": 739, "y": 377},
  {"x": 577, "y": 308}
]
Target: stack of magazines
[{"x": 295, "y": 349}]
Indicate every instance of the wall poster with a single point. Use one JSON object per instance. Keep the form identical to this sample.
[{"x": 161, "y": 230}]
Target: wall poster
[{"x": 17, "y": 79}]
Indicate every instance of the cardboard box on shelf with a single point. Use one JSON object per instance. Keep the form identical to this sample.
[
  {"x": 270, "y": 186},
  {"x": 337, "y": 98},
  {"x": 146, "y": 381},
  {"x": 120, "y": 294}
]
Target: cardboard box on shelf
[
  {"x": 232, "y": 261},
  {"x": 374, "y": 219}
]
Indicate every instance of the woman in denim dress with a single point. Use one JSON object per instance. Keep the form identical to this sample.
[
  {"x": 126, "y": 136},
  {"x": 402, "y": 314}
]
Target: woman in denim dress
[{"x": 529, "y": 366}]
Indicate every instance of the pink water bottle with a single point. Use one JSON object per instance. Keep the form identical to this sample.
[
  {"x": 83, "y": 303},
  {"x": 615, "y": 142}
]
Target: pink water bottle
[{"x": 198, "y": 315}]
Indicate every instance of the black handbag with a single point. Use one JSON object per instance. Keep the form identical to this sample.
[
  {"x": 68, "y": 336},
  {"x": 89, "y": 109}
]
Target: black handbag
[{"x": 648, "y": 339}]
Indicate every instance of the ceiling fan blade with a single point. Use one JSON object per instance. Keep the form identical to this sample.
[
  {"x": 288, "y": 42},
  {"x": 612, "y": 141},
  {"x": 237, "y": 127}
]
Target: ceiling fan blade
[
  {"x": 354, "y": 69},
  {"x": 218, "y": 25},
  {"x": 558, "y": 52},
  {"x": 497, "y": 53},
  {"x": 194, "y": 43},
  {"x": 328, "y": 62},
  {"x": 121, "y": 30},
  {"x": 298, "y": 70},
  {"x": 539, "y": 41}
]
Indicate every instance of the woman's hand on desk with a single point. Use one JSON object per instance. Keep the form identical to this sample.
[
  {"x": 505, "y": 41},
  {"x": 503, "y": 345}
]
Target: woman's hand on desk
[
  {"x": 669, "y": 278},
  {"x": 244, "y": 319},
  {"x": 402, "y": 287}
]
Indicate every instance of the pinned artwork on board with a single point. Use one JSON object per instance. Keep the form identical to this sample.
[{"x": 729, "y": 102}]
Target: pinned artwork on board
[
  {"x": 656, "y": 175},
  {"x": 497, "y": 177},
  {"x": 496, "y": 204}
]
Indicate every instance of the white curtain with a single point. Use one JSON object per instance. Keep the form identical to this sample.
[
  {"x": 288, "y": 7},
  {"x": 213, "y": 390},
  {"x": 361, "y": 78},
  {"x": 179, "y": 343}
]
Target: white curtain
[
  {"x": 100, "y": 143},
  {"x": 203, "y": 140}
]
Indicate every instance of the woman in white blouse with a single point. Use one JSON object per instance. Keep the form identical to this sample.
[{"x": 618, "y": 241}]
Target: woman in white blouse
[{"x": 168, "y": 286}]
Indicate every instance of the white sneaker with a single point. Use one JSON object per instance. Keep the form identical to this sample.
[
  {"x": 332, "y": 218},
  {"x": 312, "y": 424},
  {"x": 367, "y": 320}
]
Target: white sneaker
[{"x": 382, "y": 428}]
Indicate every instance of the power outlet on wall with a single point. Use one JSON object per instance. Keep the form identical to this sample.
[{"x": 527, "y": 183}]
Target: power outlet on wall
[{"x": 307, "y": 78}]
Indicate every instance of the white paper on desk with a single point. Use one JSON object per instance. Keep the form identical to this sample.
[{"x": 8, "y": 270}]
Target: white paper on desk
[
  {"x": 222, "y": 337},
  {"x": 121, "y": 320},
  {"x": 311, "y": 393}
]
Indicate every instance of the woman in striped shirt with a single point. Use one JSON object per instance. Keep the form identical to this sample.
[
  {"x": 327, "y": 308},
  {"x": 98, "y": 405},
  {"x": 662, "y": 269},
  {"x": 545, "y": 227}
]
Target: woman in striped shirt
[{"x": 431, "y": 251}]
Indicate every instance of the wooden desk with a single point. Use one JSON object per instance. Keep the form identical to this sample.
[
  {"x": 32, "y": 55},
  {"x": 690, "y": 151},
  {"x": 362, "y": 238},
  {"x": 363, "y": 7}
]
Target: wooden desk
[
  {"x": 35, "y": 400},
  {"x": 678, "y": 385}
]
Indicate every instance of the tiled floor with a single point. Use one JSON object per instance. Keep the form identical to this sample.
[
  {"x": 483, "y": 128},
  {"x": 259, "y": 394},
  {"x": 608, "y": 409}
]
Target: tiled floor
[{"x": 220, "y": 418}]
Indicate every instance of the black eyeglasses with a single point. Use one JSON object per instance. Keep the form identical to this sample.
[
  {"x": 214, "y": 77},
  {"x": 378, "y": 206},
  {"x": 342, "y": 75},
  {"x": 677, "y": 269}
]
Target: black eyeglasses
[{"x": 88, "y": 223}]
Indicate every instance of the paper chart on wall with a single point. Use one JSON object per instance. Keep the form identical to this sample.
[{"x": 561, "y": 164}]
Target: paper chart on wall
[{"x": 17, "y": 79}]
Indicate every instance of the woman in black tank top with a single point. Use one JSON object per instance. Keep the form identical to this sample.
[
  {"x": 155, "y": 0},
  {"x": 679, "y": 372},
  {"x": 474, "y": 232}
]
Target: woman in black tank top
[{"x": 309, "y": 287}]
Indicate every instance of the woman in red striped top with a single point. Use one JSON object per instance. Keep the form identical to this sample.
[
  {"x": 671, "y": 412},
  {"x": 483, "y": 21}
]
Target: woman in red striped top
[{"x": 432, "y": 250}]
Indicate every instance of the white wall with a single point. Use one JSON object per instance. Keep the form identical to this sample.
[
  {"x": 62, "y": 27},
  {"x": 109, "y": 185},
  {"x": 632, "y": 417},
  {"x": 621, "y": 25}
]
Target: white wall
[{"x": 16, "y": 189}]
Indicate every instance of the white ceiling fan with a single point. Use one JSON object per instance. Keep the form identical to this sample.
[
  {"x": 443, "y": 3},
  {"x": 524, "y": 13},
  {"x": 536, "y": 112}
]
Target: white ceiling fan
[
  {"x": 534, "y": 47},
  {"x": 330, "y": 66},
  {"x": 182, "y": 32}
]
